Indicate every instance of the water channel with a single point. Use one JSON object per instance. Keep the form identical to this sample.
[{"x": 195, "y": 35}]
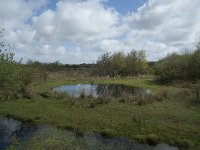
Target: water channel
[{"x": 20, "y": 135}]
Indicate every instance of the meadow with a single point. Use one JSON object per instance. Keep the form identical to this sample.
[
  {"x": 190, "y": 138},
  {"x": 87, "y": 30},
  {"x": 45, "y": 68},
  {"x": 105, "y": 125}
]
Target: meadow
[{"x": 170, "y": 117}]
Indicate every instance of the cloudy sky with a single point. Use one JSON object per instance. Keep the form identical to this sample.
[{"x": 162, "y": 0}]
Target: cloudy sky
[{"x": 78, "y": 31}]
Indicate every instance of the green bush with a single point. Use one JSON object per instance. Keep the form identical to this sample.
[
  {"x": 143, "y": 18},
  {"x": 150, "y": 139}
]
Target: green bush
[
  {"x": 176, "y": 67},
  {"x": 10, "y": 80},
  {"x": 119, "y": 64},
  {"x": 15, "y": 78}
]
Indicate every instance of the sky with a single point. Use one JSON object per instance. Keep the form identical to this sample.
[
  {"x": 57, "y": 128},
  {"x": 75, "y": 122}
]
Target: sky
[{"x": 79, "y": 31}]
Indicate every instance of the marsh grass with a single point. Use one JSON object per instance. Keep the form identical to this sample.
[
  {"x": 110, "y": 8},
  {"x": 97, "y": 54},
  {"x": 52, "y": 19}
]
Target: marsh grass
[
  {"x": 152, "y": 123},
  {"x": 151, "y": 139},
  {"x": 95, "y": 102},
  {"x": 82, "y": 95},
  {"x": 143, "y": 99},
  {"x": 90, "y": 96},
  {"x": 71, "y": 75},
  {"x": 162, "y": 94},
  {"x": 29, "y": 92},
  {"x": 166, "y": 119},
  {"x": 139, "y": 98},
  {"x": 53, "y": 94}
]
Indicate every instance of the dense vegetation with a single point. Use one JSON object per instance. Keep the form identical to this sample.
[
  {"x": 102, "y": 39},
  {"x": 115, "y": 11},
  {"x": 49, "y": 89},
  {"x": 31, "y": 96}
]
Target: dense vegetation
[
  {"x": 15, "y": 78},
  {"x": 118, "y": 64},
  {"x": 182, "y": 67}
]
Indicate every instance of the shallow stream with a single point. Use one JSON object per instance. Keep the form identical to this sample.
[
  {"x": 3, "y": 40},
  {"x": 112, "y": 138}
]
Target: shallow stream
[{"x": 20, "y": 135}]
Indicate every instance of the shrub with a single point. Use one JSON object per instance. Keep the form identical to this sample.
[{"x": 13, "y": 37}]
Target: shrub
[
  {"x": 15, "y": 78},
  {"x": 119, "y": 64},
  {"x": 176, "y": 67},
  {"x": 10, "y": 78}
]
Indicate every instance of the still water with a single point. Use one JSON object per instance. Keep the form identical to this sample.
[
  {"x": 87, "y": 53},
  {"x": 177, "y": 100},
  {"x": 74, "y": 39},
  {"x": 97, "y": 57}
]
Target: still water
[
  {"x": 100, "y": 90},
  {"x": 18, "y": 135}
]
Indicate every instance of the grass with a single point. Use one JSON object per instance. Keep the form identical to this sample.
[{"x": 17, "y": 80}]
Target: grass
[
  {"x": 76, "y": 78},
  {"x": 173, "y": 120}
]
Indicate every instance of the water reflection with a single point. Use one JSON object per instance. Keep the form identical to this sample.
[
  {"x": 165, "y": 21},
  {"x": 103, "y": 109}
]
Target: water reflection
[
  {"x": 12, "y": 130},
  {"x": 100, "y": 90},
  {"x": 25, "y": 136}
]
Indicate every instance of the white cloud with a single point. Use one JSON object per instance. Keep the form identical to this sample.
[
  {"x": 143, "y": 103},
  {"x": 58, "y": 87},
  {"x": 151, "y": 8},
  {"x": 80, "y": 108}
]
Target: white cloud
[
  {"x": 78, "y": 21},
  {"x": 37, "y": 32},
  {"x": 14, "y": 13},
  {"x": 164, "y": 25},
  {"x": 110, "y": 45}
]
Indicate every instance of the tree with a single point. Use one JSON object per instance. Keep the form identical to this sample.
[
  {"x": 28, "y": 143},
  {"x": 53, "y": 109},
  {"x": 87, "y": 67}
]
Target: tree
[
  {"x": 136, "y": 63},
  {"x": 103, "y": 65},
  {"x": 10, "y": 82},
  {"x": 195, "y": 64},
  {"x": 179, "y": 67},
  {"x": 119, "y": 64},
  {"x": 14, "y": 76},
  {"x": 170, "y": 68}
]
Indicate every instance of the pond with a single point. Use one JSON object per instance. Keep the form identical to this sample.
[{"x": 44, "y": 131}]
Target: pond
[
  {"x": 101, "y": 90},
  {"x": 20, "y": 135}
]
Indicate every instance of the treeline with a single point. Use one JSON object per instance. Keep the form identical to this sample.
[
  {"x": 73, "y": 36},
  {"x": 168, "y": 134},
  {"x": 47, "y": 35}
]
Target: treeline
[
  {"x": 182, "y": 67},
  {"x": 119, "y": 64},
  {"x": 57, "y": 66},
  {"x": 174, "y": 67}
]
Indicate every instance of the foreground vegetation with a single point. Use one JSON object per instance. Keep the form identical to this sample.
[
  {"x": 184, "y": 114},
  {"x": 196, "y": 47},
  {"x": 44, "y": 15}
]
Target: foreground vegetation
[{"x": 172, "y": 119}]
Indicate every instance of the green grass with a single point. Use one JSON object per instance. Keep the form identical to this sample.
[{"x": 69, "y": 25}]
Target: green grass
[{"x": 174, "y": 120}]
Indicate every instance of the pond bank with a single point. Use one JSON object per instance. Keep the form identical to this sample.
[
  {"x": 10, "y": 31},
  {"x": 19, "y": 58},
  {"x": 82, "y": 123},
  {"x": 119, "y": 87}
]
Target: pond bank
[{"x": 20, "y": 135}]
